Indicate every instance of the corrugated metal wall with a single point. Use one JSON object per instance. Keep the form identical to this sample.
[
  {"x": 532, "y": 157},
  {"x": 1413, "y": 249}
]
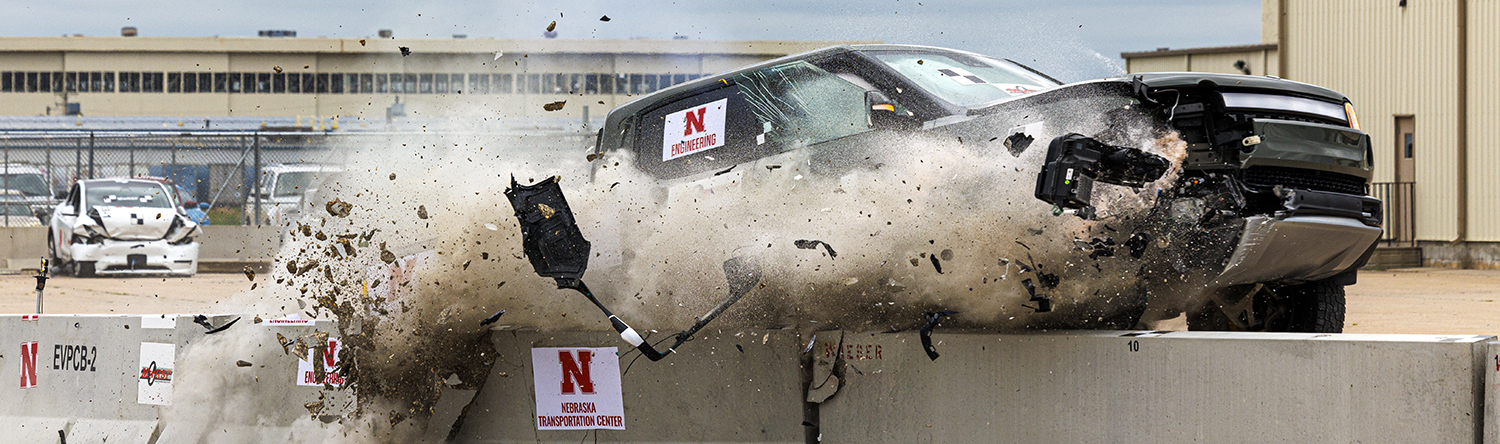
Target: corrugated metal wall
[
  {"x": 1391, "y": 61},
  {"x": 1484, "y": 120},
  {"x": 1157, "y": 64}
]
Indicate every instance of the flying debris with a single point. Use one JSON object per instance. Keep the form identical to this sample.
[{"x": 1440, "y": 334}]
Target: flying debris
[
  {"x": 604, "y": 18},
  {"x": 405, "y": 51},
  {"x": 926, "y": 332}
]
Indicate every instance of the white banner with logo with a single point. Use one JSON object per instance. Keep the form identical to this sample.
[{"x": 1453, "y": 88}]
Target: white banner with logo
[
  {"x": 577, "y": 388},
  {"x": 329, "y": 356},
  {"x": 693, "y": 130}
]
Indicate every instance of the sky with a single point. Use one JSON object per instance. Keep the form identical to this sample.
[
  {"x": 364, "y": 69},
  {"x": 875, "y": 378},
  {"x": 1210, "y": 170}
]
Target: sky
[{"x": 1069, "y": 39}]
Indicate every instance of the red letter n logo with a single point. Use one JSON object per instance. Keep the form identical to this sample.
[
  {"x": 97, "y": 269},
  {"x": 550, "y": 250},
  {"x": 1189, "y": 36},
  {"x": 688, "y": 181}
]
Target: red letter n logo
[
  {"x": 575, "y": 373},
  {"x": 28, "y": 365},
  {"x": 694, "y": 122}
]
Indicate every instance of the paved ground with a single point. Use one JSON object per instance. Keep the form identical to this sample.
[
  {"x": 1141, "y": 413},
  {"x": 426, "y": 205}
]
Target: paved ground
[{"x": 1423, "y": 301}]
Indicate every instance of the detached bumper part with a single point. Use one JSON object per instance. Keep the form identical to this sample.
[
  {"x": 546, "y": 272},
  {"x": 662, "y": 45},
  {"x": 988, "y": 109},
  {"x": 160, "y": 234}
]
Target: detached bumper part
[{"x": 1075, "y": 162}]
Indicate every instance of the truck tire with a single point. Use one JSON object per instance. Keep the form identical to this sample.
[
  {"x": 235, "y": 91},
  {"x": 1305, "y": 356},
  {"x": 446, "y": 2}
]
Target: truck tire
[{"x": 1314, "y": 307}]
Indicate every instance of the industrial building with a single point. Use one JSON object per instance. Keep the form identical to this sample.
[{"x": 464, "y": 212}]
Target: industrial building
[
  {"x": 1423, "y": 77},
  {"x": 358, "y": 78}
]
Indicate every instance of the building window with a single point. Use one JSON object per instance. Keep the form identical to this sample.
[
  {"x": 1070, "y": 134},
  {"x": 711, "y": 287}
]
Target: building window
[
  {"x": 335, "y": 83},
  {"x": 411, "y": 84},
  {"x": 309, "y": 82},
  {"x": 153, "y": 82},
  {"x": 366, "y": 83},
  {"x": 70, "y": 82},
  {"x": 130, "y": 82},
  {"x": 221, "y": 82},
  {"x": 606, "y": 84},
  {"x": 322, "y": 83},
  {"x": 293, "y": 83},
  {"x": 440, "y": 83},
  {"x": 424, "y": 83},
  {"x": 679, "y": 79},
  {"x": 205, "y": 82},
  {"x": 45, "y": 82},
  {"x": 189, "y": 82},
  {"x": 5, "y": 82},
  {"x": 381, "y": 86},
  {"x": 174, "y": 82},
  {"x": 664, "y": 82},
  {"x": 236, "y": 82},
  {"x": 591, "y": 84},
  {"x": 479, "y": 83},
  {"x": 109, "y": 82},
  {"x": 263, "y": 83},
  {"x": 622, "y": 84}
]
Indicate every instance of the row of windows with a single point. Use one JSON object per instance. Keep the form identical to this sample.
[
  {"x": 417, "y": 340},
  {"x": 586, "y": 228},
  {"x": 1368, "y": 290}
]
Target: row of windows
[{"x": 336, "y": 83}]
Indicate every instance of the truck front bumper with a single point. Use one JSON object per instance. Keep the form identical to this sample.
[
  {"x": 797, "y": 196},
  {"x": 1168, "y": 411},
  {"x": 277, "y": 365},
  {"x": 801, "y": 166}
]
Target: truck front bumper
[
  {"x": 116, "y": 257},
  {"x": 1297, "y": 249}
]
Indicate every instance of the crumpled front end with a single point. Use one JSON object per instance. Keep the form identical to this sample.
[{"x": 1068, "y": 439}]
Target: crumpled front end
[
  {"x": 119, "y": 257},
  {"x": 130, "y": 240}
]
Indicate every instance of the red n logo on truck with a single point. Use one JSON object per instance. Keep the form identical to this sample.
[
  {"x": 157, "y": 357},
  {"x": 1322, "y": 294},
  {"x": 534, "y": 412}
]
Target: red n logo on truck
[
  {"x": 28, "y": 365},
  {"x": 575, "y": 373}
]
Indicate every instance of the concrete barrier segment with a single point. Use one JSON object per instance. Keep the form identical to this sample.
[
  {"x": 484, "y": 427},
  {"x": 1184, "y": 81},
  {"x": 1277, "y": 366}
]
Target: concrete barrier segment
[
  {"x": 1158, "y": 387},
  {"x": 724, "y": 386}
]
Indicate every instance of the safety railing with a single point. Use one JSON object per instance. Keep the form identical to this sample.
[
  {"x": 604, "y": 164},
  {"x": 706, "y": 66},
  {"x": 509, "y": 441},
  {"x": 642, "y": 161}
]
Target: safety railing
[{"x": 1398, "y": 215}]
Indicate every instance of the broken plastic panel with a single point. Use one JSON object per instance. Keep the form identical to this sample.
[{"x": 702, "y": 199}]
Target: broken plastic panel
[
  {"x": 556, "y": 248},
  {"x": 1074, "y": 162}
]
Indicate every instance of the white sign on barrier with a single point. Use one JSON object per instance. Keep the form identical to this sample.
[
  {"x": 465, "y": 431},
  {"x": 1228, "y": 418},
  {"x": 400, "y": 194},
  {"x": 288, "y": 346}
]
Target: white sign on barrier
[
  {"x": 155, "y": 385},
  {"x": 577, "y": 388},
  {"x": 308, "y": 376}
]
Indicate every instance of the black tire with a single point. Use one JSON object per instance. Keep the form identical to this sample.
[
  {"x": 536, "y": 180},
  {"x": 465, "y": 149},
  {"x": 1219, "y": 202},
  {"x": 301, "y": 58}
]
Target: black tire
[
  {"x": 1314, "y": 307},
  {"x": 54, "y": 263},
  {"x": 84, "y": 269}
]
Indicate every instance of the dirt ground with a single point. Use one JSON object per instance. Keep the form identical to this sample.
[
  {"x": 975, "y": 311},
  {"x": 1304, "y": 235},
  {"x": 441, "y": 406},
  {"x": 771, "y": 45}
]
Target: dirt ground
[{"x": 1417, "y": 301}]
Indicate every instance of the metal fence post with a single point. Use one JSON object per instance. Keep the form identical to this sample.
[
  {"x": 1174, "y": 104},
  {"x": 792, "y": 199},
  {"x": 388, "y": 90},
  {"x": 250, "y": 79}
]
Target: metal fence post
[
  {"x": 256, "y": 185},
  {"x": 172, "y": 173},
  {"x": 91, "y": 155},
  {"x": 130, "y": 144},
  {"x": 5, "y": 183},
  {"x": 78, "y": 159}
]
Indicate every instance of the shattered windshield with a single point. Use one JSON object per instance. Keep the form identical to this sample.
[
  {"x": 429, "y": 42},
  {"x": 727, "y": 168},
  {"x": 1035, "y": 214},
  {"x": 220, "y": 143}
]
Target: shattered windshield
[
  {"x": 27, "y": 184},
  {"x": 962, "y": 79},
  {"x": 129, "y": 194}
]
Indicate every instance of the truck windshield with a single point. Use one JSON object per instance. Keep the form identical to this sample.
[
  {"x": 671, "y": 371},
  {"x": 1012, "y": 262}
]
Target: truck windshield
[
  {"x": 27, "y": 184},
  {"x": 130, "y": 194},
  {"x": 292, "y": 184},
  {"x": 963, "y": 79}
]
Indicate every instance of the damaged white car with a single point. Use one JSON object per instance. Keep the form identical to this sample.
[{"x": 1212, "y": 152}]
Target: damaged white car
[{"x": 123, "y": 227}]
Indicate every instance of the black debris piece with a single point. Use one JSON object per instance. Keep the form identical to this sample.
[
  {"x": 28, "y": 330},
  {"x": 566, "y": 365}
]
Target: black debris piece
[
  {"x": 494, "y": 317},
  {"x": 242, "y": 363},
  {"x": 1017, "y": 143},
  {"x": 1107, "y": 227},
  {"x": 726, "y": 170},
  {"x": 772, "y": 167},
  {"x": 421, "y": 211},
  {"x": 935, "y": 264},
  {"x": 612, "y": 186},
  {"x": 554, "y": 106},
  {"x": 249, "y": 273},
  {"x": 203, "y": 320},
  {"x": 813, "y": 245},
  {"x": 1137, "y": 244},
  {"x": 1102, "y": 248},
  {"x": 222, "y": 328},
  {"x": 405, "y": 51},
  {"x": 1023, "y": 245},
  {"x": 741, "y": 349},
  {"x": 338, "y": 208},
  {"x": 604, "y": 18},
  {"x": 926, "y": 332},
  {"x": 1043, "y": 303},
  {"x": 591, "y": 157},
  {"x": 552, "y": 26}
]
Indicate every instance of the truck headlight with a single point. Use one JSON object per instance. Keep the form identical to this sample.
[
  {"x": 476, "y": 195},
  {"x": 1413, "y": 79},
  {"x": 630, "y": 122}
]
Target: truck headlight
[{"x": 1349, "y": 114}]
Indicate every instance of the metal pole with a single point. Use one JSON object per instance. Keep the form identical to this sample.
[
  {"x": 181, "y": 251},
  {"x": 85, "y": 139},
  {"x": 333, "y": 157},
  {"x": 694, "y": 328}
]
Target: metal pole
[
  {"x": 78, "y": 159},
  {"x": 172, "y": 174},
  {"x": 91, "y": 155},
  {"x": 6, "y": 184},
  {"x": 257, "y": 178},
  {"x": 130, "y": 142}
]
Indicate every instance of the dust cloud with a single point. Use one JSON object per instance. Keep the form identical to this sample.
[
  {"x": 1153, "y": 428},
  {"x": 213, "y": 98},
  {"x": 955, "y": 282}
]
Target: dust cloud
[{"x": 414, "y": 244}]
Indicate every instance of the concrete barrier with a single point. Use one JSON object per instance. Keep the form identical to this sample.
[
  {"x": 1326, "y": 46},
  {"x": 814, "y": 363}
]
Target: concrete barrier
[
  {"x": 230, "y": 245},
  {"x": 1167, "y": 388},
  {"x": 112, "y": 378},
  {"x": 725, "y": 387}
]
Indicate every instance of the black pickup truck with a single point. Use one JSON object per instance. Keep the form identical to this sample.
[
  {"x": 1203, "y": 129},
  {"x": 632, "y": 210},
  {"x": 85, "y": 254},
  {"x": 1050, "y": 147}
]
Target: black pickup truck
[{"x": 1266, "y": 217}]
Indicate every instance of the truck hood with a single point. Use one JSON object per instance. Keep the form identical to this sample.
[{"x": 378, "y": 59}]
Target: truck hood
[
  {"x": 136, "y": 223},
  {"x": 1230, "y": 82}
]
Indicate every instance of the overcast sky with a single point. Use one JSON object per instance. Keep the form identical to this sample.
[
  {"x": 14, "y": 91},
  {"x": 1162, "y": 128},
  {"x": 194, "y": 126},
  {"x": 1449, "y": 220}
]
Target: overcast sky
[{"x": 1070, "y": 39}]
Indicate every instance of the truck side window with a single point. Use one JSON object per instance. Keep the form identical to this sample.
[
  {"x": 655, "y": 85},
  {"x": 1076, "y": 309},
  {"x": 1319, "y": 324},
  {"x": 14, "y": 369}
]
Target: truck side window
[
  {"x": 798, "y": 104},
  {"x": 72, "y": 200}
]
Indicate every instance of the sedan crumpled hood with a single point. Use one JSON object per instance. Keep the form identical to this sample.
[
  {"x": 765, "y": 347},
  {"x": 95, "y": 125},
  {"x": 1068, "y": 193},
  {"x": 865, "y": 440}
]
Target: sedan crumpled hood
[{"x": 136, "y": 223}]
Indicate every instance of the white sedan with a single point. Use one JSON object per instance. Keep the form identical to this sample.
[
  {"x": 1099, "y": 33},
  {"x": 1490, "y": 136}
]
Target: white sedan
[{"x": 123, "y": 226}]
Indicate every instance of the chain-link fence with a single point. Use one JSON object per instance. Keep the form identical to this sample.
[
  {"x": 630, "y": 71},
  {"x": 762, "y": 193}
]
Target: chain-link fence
[{"x": 215, "y": 168}]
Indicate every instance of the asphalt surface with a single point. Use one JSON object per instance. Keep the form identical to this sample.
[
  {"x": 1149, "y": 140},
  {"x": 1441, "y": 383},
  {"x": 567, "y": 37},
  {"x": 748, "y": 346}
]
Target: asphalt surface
[{"x": 1414, "y": 301}]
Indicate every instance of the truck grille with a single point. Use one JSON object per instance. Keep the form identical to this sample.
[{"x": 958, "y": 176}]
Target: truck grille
[{"x": 1305, "y": 179}]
